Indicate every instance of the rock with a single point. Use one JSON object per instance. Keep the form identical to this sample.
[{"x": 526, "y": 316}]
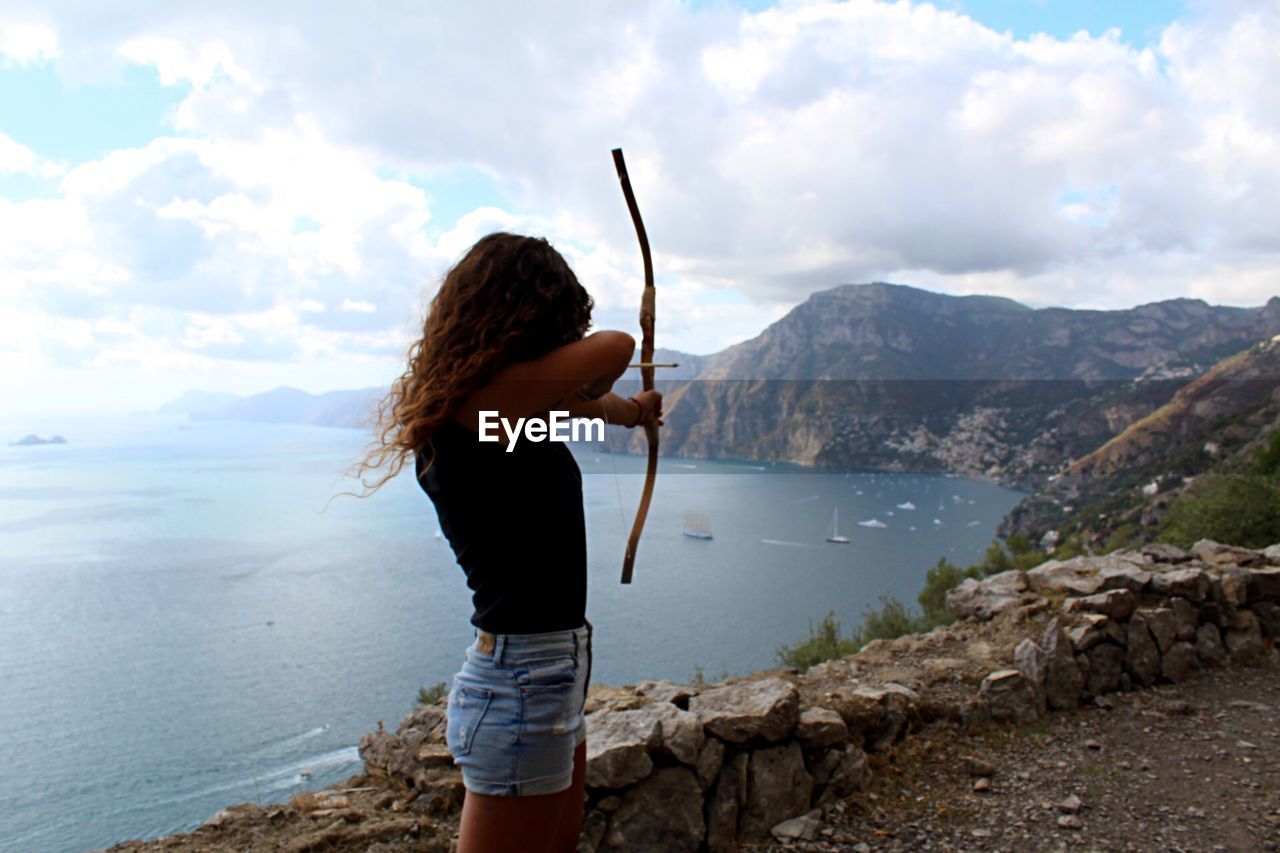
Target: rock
[
  {"x": 434, "y": 755},
  {"x": 981, "y": 786},
  {"x": 1215, "y": 553},
  {"x": 662, "y": 813},
  {"x": 1186, "y": 618},
  {"x": 710, "y": 758},
  {"x": 1030, "y": 659},
  {"x": 416, "y": 756},
  {"x": 778, "y": 787},
  {"x": 1130, "y": 556},
  {"x": 1244, "y": 638},
  {"x": 661, "y": 690},
  {"x": 803, "y": 828},
  {"x": 848, "y": 773},
  {"x": 1268, "y": 618},
  {"x": 1209, "y": 646},
  {"x": 1162, "y": 552},
  {"x": 680, "y": 733},
  {"x": 1070, "y": 577},
  {"x": 1070, "y": 821},
  {"x": 821, "y": 727},
  {"x": 1179, "y": 661},
  {"x": 1116, "y": 603},
  {"x": 1106, "y": 663},
  {"x": 1190, "y": 583},
  {"x": 1217, "y": 612},
  {"x": 1234, "y": 584},
  {"x": 1272, "y": 554},
  {"x": 1062, "y": 681},
  {"x": 876, "y": 715},
  {"x": 1071, "y": 805},
  {"x": 1092, "y": 630},
  {"x": 1264, "y": 584},
  {"x": 767, "y": 709},
  {"x": 727, "y": 799},
  {"x": 618, "y": 746},
  {"x": 594, "y": 824},
  {"x": 1010, "y": 696},
  {"x": 822, "y": 763},
  {"x": 986, "y": 598},
  {"x": 1123, "y": 577},
  {"x": 424, "y": 724},
  {"x": 1142, "y": 657},
  {"x": 1163, "y": 626}
]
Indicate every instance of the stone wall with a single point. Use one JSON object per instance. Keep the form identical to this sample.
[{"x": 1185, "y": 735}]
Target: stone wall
[{"x": 673, "y": 767}]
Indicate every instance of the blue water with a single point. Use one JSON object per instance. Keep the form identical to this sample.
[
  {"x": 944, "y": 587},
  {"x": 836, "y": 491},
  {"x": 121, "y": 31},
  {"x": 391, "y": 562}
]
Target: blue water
[{"x": 182, "y": 627}]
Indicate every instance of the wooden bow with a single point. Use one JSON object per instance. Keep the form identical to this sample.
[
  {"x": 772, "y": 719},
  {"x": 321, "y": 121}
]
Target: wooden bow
[{"x": 646, "y": 366}]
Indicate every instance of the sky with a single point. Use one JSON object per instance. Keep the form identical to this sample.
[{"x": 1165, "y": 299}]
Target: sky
[{"x": 242, "y": 195}]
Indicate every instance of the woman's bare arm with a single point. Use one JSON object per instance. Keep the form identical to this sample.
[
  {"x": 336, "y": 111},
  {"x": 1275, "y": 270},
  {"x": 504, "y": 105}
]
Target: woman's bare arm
[{"x": 529, "y": 387}]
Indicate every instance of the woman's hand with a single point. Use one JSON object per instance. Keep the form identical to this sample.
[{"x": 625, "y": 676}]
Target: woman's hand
[{"x": 650, "y": 403}]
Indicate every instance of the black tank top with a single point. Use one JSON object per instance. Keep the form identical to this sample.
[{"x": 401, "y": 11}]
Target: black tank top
[{"x": 515, "y": 523}]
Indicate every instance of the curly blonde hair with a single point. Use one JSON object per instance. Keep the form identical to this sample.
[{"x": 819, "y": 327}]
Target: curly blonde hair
[{"x": 510, "y": 298}]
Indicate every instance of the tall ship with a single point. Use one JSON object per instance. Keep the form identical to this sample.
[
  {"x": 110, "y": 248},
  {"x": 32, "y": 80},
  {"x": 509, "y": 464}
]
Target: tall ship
[
  {"x": 835, "y": 529},
  {"x": 696, "y": 525}
]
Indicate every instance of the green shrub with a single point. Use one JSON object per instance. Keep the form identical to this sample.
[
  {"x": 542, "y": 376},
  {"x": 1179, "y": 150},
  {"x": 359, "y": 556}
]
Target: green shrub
[
  {"x": 1236, "y": 509},
  {"x": 890, "y": 621},
  {"x": 824, "y": 643},
  {"x": 933, "y": 598},
  {"x": 432, "y": 695},
  {"x": 1267, "y": 462}
]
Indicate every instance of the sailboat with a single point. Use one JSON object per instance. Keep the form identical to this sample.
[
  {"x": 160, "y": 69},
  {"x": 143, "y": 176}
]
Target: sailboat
[
  {"x": 835, "y": 529},
  {"x": 696, "y": 526}
]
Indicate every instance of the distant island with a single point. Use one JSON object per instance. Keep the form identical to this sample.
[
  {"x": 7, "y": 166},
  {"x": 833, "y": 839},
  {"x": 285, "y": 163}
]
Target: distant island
[{"x": 35, "y": 439}]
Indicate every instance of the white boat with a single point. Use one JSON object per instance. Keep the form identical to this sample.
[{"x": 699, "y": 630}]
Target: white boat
[
  {"x": 906, "y": 505},
  {"x": 696, "y": 526},
  {"x": 873, "y": 522},
  {"x": 835, "y": 529}
]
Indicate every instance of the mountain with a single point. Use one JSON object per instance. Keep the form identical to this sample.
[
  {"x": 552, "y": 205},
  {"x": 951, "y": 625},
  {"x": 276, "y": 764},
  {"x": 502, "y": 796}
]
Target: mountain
[
  {"x": 354, "y": 409},
  {"x": 198, "y": 402},
  {"x": 1215, "y": 423},
  {"x": 893, "y": 377}
]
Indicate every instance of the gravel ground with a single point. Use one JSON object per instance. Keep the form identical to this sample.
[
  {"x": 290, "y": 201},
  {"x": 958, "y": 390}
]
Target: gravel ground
[{"x": 1193, "y": 766}]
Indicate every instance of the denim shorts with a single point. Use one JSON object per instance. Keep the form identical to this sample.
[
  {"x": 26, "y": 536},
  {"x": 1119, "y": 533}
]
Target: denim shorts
[{"x": 516, "y": 716}]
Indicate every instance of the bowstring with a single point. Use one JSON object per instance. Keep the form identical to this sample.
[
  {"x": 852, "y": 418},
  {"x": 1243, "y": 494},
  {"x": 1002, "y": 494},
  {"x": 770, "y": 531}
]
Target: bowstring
[{"x": 622, "y": 518}]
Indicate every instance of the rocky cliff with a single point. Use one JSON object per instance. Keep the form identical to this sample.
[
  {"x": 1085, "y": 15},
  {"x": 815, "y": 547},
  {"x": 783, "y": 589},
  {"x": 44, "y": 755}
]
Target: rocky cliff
[{"x": 1215, "y": 423}]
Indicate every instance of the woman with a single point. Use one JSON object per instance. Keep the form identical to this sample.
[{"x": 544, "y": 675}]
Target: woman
[{"x": 505, "y": 335}]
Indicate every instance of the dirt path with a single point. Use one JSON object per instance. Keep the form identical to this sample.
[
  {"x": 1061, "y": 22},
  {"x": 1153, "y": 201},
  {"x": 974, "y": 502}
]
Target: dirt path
[{"x": 1194, "y": 766}]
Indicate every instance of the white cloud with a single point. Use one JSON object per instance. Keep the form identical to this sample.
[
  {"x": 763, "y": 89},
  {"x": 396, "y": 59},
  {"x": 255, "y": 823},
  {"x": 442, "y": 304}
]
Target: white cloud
[
  {"x": 17, "y": 158},
  {"x": 25, "y": 43},
  {"x": 773, "y": 154}
]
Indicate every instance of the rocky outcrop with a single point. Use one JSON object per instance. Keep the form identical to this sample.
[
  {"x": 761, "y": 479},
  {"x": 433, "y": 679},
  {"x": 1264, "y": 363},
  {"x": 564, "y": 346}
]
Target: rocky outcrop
[
  {"x": 674, "y": 767},
  {"x": 1214, "y": 424}
]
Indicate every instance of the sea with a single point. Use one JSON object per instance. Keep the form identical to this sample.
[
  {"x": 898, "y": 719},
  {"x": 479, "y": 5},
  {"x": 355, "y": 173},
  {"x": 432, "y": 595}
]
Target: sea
[{"x": 193, "y": 615}]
